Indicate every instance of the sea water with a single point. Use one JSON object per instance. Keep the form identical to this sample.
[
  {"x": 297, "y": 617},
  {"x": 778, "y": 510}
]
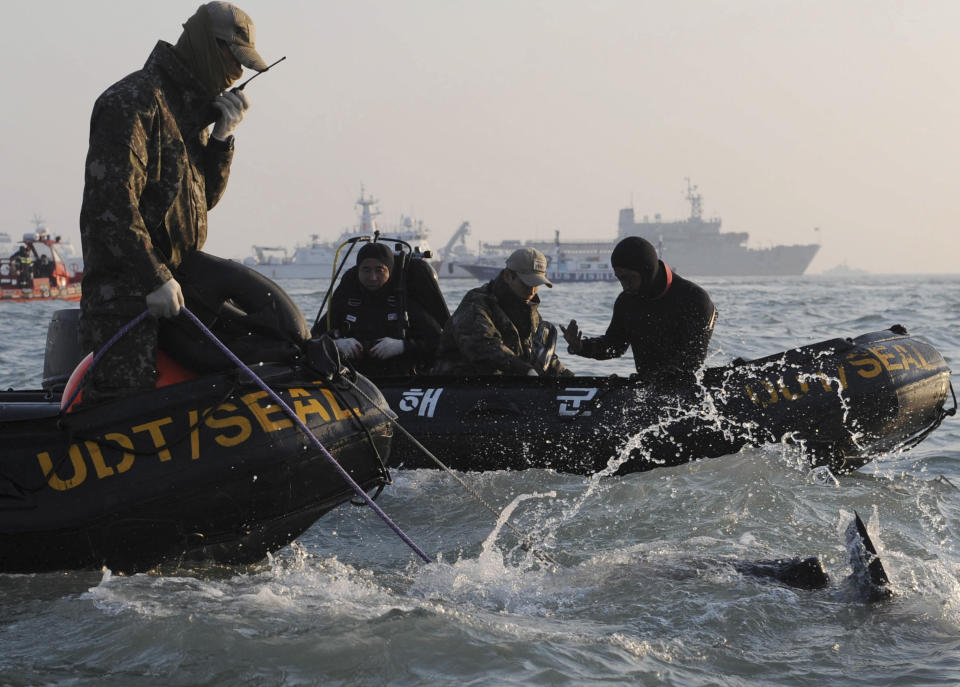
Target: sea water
[{"x": 639, "y": 593}]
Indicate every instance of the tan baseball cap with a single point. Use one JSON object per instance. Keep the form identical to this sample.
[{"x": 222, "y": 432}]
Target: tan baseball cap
[
  {"x": 231, "y": 24},
  {"x": 530, "y": 265}
]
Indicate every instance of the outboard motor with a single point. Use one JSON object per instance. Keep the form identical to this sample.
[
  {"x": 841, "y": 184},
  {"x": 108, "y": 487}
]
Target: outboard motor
[{"x": 62, "y": 352}]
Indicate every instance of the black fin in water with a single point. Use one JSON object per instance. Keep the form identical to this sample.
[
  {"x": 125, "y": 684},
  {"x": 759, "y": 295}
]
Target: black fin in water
[
  {"x": 802, "y": 573},
  {"x": 868, "y": 572}
]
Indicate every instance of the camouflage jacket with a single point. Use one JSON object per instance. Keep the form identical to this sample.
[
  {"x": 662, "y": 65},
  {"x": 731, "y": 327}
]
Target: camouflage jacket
[
  {"x": 490, "y": 333},
  {"x": 151, "y": 175}
]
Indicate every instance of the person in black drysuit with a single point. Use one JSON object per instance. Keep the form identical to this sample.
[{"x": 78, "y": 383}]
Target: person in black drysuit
[
  {"x": 376, "y": 321},
  {"x": 666, "y": 319},
  {"x": 44, "y": 268},
  {"x": 22, "y": 263}
]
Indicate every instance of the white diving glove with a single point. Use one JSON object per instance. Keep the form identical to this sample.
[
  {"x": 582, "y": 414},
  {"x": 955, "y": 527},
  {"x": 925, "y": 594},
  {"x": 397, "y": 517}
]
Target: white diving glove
[
  {"x": 349, "y": 348},
  {"x": 532, "y": 373},
  {"x": 233, "y": 105},
  {"x": 387, "y": 348},
  {"x": 166, "y": 300}
]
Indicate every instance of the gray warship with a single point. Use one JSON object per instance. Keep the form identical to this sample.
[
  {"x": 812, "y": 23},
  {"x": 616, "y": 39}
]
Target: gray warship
[
  {"x": 692, "y": 246},
  {"x": 696, "y": 246}
]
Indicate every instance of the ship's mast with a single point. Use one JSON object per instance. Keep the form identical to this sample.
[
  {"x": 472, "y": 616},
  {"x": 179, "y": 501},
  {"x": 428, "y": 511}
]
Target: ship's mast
[
  {"x": 39, "y": 224},
  {"x": 696, "y": 202},
  {"x": 367, "y": 225}
]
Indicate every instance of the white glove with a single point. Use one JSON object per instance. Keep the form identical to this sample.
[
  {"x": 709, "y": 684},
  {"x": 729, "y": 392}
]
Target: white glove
[
  {"x": 165, "y": 301},
  {"x": 387, "y": 348},
  {"x": 532, "y": 373},
  {"x": 349, "y": 348},
  {"x": 233, "y": 106}
]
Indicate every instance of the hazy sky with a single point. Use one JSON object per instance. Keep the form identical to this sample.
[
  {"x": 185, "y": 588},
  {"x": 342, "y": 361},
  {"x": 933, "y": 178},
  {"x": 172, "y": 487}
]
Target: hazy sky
[{"x": 527, "y": 116}]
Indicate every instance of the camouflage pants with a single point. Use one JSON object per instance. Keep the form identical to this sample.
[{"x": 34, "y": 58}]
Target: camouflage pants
[{"x": 130, "y": 364}]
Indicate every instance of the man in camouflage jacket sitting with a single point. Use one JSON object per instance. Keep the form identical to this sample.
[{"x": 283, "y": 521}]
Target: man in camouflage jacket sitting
[{"x": 495, "y": 328}]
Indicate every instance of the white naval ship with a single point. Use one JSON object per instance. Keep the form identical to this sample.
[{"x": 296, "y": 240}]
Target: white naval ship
[
  {"x": 561, "y": 267},
  {"x": 314, "y": 259}
]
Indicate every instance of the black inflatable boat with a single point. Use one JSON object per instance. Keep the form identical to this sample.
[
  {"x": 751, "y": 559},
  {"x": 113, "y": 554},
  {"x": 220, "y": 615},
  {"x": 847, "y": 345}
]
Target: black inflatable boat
[
  {"x": 205, "y": 468},
  {"x": 843, "y": 400}
]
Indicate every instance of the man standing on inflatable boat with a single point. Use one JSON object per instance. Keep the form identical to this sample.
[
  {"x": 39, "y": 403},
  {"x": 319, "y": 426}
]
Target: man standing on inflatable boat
[
  {"x": 497, "y": 328},
  {"x": 152, "y": 173},
  {"x": 666, "y": 319}
]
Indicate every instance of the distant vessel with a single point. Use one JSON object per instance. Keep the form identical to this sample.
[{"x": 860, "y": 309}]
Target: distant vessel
[
  {"x": 40, "y": 272},
  {"x": 455, "y": 254},
  {"x": 71, "y": 256},
  {"x": 844, "y": 270},
  {"x": 315, "y": 258},
  {"x": 692, "y": 247},
  {"x": 68, "y": 253},
  {"x": 561, "y": 267},
  {"x": 695, "y": 246}
]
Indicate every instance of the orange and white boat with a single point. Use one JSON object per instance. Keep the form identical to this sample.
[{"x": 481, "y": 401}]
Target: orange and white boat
[{"x": 37, "y": 271}]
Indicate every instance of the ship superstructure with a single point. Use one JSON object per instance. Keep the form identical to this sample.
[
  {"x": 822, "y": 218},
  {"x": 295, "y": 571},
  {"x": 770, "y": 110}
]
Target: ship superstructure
[
  {"x": 695, "y": 246},
  {"x": 692, "y": 246},
  {"x": 314, "y": 258}
]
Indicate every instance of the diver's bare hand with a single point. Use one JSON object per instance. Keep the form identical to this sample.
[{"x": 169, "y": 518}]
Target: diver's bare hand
[{"x": 574, "y": 336}]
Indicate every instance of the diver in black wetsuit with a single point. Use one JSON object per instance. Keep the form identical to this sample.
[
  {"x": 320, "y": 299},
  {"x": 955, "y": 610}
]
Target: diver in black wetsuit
[
  {"x": 666, "y": 319},
  {"x": 22, "y": 263},
  {"x": 377, "y": 322}
]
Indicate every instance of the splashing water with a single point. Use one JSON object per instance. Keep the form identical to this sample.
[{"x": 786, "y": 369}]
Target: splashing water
[{"x": 628, "y": 604}]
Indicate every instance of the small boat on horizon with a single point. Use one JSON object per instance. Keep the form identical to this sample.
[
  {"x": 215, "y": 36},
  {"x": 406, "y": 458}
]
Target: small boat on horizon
[{"x": 37, "y": 267}]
